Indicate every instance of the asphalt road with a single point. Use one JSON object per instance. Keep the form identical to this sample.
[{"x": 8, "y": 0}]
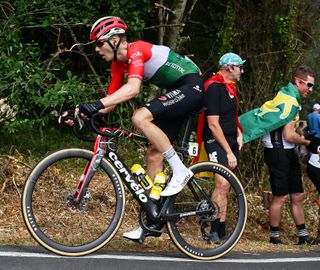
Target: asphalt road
[{"x": 14, "y": 257}]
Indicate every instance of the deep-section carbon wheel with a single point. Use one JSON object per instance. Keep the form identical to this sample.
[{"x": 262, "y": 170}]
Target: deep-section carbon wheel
[
  {"x": 191, "y": 233},
  {"x": 53, "y": 217}
]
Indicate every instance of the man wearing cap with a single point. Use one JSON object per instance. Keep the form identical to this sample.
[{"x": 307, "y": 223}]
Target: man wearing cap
[
  {"x": 222, "y": 132},
  {"x": 313, "y": 121}
]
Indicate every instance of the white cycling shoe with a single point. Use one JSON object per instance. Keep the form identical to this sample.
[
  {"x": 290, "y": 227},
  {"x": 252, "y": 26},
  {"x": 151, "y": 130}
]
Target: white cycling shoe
[
  {"x": 176, "y": 184},
  {"x": 134, "y": 235},
  {"x": 139, "y": 234}
]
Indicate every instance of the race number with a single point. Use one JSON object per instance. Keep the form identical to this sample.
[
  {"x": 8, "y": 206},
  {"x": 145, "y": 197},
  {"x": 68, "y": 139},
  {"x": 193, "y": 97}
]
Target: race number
[{"x": 193, "y": 149}]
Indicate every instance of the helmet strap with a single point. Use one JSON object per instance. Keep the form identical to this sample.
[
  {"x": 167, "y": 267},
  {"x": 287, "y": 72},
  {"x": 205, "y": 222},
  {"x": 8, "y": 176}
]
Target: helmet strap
[{"x": 115, "y": 49}]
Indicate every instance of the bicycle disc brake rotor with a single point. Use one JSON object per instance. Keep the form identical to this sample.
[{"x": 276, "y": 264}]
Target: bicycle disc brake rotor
[
  {"x": 73, "y": 205},
  {"x": 205, "y": 219}
]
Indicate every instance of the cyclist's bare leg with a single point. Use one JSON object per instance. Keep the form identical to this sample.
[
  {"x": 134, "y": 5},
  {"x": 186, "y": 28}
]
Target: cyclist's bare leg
[
  {"x": 154, "y": 161},
  {"x": 142, "y": 120}
]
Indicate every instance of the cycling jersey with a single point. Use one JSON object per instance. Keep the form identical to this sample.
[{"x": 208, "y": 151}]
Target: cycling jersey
[{"x": 153, "y": 63}]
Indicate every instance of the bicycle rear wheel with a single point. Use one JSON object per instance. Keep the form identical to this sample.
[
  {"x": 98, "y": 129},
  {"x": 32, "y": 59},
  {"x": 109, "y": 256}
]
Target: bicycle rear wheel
[
  {"x": 191, "y": 233},
  {"x": 58, "y": 224}
]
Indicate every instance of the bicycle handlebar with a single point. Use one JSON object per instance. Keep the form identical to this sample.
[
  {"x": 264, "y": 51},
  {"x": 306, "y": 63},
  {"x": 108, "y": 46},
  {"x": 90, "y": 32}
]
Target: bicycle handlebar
[
  {"x": 112, "y": 132},
  {"x": 101, "y": 127}
]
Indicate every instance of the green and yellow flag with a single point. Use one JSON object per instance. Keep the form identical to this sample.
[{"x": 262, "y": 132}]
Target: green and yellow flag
[{"x": 272, "y": 114}]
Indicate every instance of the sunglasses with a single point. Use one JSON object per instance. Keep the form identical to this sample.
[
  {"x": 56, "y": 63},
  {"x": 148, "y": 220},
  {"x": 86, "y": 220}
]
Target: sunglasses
[
  {"x": 100, "y": 43},
  {"x": 240, "y": 67},
  {"x": 309, "y": 84}
]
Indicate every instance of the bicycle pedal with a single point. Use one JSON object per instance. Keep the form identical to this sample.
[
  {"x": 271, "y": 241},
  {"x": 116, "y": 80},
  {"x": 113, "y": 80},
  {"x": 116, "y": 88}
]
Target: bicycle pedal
[
  {"x": 142, "y": 238},
  {"x": 153, "y": 233}
]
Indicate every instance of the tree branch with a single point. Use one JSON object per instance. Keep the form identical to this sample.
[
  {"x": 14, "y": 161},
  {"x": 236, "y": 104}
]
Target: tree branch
[
  {"x": 84, "y": 54},
  {"x": 186, "y": 18},
  {"x": 164, "y": 25},
  {"x": 160, "y": 5},
  {"x": 5, "y": 5}
]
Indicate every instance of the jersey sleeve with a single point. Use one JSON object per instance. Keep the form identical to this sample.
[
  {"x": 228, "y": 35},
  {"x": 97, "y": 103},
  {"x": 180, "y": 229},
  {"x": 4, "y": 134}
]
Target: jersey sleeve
[
  {"x": 118, "y": 69},
  {"x": 138, "y": 53},
  {"x": 213, "y": 99}
]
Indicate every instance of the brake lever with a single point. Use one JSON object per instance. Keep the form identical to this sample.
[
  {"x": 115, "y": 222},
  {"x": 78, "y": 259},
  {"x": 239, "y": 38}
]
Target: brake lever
[{"x": 80, "y": 122}]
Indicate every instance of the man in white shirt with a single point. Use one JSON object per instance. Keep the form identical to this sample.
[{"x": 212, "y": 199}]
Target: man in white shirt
[{"x": 284, "y": 166}]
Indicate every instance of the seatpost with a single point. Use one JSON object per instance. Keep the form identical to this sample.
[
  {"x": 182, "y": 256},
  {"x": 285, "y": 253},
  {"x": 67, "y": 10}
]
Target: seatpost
[{"x": 188, "y": 130}]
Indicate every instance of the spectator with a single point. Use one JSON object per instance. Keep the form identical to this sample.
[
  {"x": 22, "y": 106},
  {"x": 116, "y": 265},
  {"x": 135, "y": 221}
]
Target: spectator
[
  {"x": 313, "y": 169},
  {"x": 222, "y": 132},
  {"x": 283, "y": 164},
  {"x": 313, "y": 120}
]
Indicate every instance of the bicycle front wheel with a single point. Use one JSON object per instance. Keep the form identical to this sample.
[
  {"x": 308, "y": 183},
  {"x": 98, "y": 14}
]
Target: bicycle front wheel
[
  {"x": 64, "y": 227},
  {"x": 192, "y": 233}
]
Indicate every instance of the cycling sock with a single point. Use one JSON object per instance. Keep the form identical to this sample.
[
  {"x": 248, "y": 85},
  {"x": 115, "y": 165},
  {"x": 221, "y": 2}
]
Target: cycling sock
[
  {"x": 302, "y": 231},
  {"x": 178, "y": 168},
  {"x": 275, "y": 232}
]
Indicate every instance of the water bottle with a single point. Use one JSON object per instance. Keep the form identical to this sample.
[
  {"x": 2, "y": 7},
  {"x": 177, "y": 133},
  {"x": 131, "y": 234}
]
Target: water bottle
[
  {"x": 140, "y": 174},
  {"x": 158, "y": 186}
]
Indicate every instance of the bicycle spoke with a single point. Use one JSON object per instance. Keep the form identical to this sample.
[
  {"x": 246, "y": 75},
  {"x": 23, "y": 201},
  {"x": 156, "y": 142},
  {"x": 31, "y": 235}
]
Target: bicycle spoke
[
  {"x": 192, "y": 234},
  {"x": 56, "y": 219},
  {"x": 72, "y": 225}
]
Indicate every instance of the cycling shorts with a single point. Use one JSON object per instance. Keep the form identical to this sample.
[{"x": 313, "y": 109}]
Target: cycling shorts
[
  {"x": 170, "y": 109},
  {"x": 284, "y": 169},
  {"x": 217, "y": 154}
]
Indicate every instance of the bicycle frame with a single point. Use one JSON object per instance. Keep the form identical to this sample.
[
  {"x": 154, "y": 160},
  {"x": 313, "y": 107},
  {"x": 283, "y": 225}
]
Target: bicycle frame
[
  {"x": 102, "y": 149},
  {"x": 156, "y": 211}
]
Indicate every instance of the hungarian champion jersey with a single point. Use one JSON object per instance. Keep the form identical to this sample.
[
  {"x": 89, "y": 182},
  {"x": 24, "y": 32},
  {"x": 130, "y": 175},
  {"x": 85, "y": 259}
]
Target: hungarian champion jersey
[{"x": 156, "y": 64}]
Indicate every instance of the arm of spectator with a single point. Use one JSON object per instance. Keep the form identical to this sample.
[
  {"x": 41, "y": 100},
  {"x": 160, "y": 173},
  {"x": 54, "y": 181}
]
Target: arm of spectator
[{"x": 290, "y": 135}]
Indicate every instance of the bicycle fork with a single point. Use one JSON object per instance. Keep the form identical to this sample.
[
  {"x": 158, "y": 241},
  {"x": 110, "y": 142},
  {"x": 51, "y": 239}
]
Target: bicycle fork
[{"x": 90, "y": 168}]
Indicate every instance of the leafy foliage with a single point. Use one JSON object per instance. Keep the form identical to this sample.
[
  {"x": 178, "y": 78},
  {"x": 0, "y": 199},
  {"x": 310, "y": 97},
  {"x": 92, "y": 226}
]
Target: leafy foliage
[{"x": 41, "y": 76}]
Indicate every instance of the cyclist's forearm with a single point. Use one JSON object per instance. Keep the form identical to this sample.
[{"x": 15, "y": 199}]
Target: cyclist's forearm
[{"x": 126, "y": 92}]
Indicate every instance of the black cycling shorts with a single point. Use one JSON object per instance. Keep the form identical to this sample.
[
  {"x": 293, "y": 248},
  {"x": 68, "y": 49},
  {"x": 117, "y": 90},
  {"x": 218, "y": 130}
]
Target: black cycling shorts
[
  {"x": 217, "y": 154},
  {"x": 314, "y": 175},
  {"x": 284, "y": 169},
  {"x": 170, "y": 109}
]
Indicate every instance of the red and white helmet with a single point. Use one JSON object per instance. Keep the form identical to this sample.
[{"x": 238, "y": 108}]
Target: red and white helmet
[{"x": 107, "y": 27}]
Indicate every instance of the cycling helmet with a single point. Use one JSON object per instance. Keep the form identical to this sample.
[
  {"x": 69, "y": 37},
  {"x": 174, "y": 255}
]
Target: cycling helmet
[{"x": 107, "y": 27}]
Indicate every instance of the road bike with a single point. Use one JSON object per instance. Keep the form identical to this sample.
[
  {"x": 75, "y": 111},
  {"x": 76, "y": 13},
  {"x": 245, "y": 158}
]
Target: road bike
[{"x": 73, "y": 200}]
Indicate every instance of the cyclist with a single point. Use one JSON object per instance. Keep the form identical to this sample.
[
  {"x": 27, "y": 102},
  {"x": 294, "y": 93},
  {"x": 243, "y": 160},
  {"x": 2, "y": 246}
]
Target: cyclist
[{"x": 159, "y": 120}]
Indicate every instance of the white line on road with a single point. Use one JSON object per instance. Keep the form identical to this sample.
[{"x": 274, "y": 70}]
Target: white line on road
[{"x": 155, "y": 258}]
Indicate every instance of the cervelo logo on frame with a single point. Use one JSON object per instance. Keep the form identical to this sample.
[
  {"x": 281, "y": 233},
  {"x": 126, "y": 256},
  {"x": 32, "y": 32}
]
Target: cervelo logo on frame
[{"x": 138, "y": 190}]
